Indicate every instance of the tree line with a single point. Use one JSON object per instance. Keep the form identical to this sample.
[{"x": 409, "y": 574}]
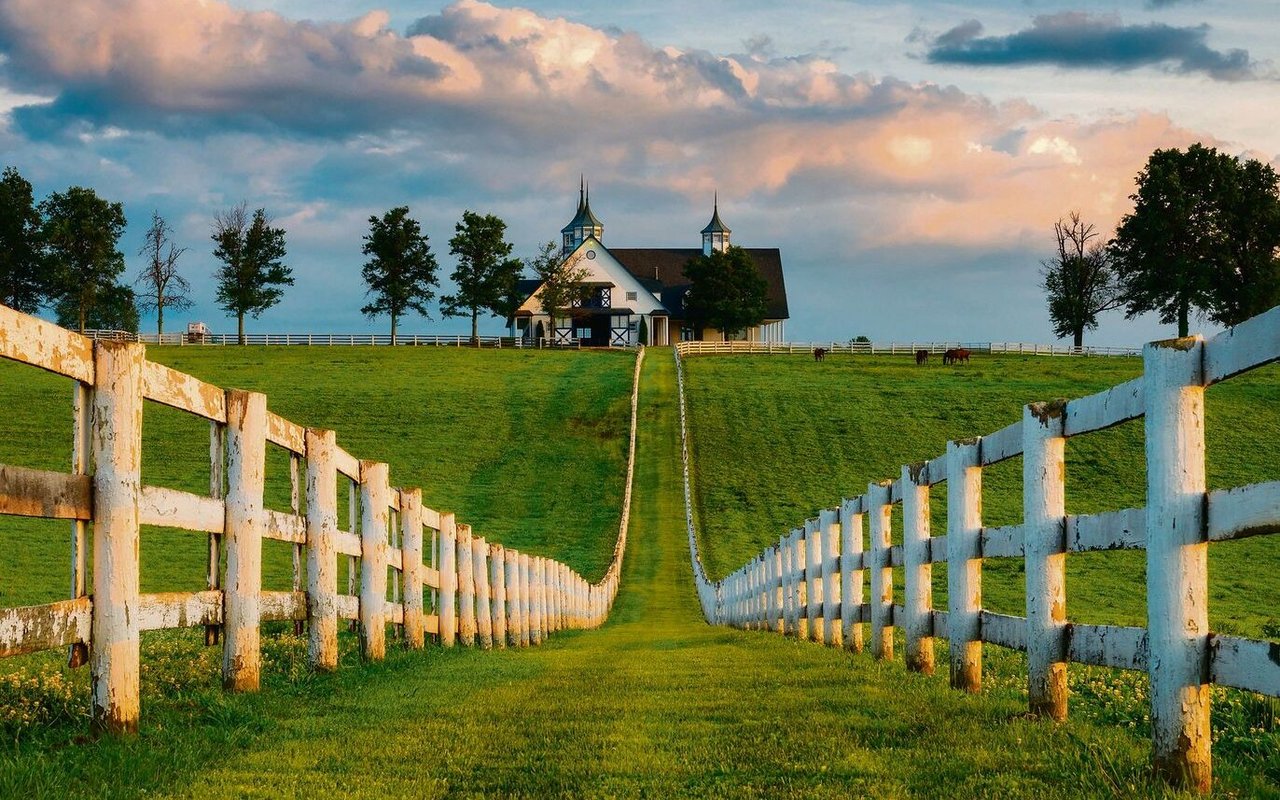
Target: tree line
[
  {"x": 1203, "y": 238},
  {"x": 62, "y": 254}
]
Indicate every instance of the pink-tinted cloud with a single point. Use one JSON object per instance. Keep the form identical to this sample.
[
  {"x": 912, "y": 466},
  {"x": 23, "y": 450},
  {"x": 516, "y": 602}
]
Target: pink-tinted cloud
[{"x": 491, "y": 85}]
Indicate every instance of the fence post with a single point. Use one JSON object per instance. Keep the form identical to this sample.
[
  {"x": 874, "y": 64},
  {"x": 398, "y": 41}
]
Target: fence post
[
  {"x": 526, "y": 602},
  {"x": 829, "y": 522},
  {"x": 1044, "y": 546},
  {"x": 879, "y": 508},
  {"x": 511, "y": 561},
  {"x": 375, "y": 498},
  {"x": 243, "y": 525},
  {"x": 917, "y": 569},
  {"x": 811, "y": 557},
  {"x": 535, "y": 601},
  {"x": 484, "y": 604},
  {"x": 448, "y": 606},
  {"x": 964, "y": 563},
  {"x": 851, "y": 573},
  {"x": 466, "y": 588},
  {"x": 799, "y": 624},
  {"x": 322, "y": 562},
  {"x": 788, "y": 600},
  {"x": 777, "y": 589},
  {"x": 411, "y": 565},
  {"x": 116, "y": 445},
  {"x": 1177, "y": 562},
  {"x": 81, "y": 430},
  {"x": 213, "y": 565},
  {"x": 768, "y": 594},
  {"x": 498, "y": 583}
]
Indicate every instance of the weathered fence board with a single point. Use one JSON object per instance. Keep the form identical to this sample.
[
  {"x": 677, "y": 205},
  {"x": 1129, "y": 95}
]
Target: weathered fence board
[
  {"x": 30, "y": 629},
  {"x": 40, "y": 493}
]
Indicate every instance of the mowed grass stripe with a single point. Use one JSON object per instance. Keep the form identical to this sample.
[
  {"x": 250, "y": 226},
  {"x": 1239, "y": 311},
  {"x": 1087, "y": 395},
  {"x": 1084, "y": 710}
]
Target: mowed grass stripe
[
  {"x": 777, "y": 437},
  {"x": 658, "y": 704}
]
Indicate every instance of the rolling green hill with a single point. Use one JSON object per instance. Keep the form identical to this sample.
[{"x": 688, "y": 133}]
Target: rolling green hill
[
  {"x": 654, "y": 704},
  {"x": 777, "y": 437}
]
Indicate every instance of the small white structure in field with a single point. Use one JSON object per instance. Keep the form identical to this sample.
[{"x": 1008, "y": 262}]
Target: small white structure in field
[{"x": 197, "y": 331}]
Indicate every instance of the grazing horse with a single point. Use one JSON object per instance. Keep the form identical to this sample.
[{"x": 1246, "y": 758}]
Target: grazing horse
[
  {"x": 819, "y": 353},
  {"x": 955, "y": 356},
  {"x": 922, "y": 356}
]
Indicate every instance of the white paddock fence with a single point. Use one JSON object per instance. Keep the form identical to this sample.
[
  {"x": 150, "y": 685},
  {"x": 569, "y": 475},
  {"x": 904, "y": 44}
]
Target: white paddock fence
[
  {"x": 811, "y": 583},
  {"x": 319, "y": 339},
  {"x": 897, "y": 348},
  {"x": 481, "y": 593}
]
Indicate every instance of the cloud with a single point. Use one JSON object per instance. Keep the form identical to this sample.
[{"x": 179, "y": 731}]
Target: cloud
[
  {"x": 513, "y": 101},
  {"x": 1077, "y": 40}
]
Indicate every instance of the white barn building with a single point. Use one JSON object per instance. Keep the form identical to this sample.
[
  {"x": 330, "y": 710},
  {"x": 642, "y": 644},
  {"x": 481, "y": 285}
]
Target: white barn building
[{"x": 631, "y": 286}]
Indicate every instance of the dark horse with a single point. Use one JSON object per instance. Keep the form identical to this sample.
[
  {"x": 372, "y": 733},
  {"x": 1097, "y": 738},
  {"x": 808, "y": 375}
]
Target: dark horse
[
  {"x": 922, "y": 356},
  {"x": 955, "y": 356},
  {"x": 819, "y": 353}
]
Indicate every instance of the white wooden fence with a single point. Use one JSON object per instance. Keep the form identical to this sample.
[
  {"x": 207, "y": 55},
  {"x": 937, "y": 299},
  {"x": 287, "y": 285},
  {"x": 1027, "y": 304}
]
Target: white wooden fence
[
  {"x": 812, "y": 583},
  {"x": 897, "y": 348},
  {"x": 484, "y": 594},
  {"x": 310, "y": 339}
]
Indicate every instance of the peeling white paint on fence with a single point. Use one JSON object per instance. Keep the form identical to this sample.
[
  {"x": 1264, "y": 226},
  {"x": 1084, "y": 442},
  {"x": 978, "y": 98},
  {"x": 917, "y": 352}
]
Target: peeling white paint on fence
[
  {"x": 1178, "y": 651},
  {"x": 477, "y": 590}
]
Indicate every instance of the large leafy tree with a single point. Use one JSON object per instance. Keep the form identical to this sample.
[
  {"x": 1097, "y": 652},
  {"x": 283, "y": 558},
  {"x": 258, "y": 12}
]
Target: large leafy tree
[
  {"x": 253, "y": 273},
  {"x": 561, "y": 279},
  {"x": 727, "y": 292},
  {"x": 160, "y": 286},
  {"x": 1246, "y": 276},
  {"x": 80, "y": 232},
  {"x": 486, "y": 274},
  {"x": 1079, "y": 280},
  {"x": 115, "y": 310},
  {"x": 401, "y": 270},
  {"x": 22, "y": 283},
  {"x": 1202, "y": 236}
]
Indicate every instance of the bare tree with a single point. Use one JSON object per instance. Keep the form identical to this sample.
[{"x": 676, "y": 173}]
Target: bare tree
[
  {"x": 1080, "y": 281},
  {"x": 160, "y": 286}
]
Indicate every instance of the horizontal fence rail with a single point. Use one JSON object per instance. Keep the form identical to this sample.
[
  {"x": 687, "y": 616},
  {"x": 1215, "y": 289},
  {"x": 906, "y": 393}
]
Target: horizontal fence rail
[
  {"x": 898, "y": 348},
  {"x": 813, "y": 583},
  {"x": 409, "y": 566}
]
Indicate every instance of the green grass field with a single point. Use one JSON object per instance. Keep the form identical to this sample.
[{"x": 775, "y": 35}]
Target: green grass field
[
  {"x": 777, "y": 437},
  {"x": 654, "y": 704}
]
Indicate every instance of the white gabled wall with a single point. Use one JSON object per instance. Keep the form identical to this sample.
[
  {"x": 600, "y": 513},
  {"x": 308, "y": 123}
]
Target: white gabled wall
[{"x": 602, "y": 267}]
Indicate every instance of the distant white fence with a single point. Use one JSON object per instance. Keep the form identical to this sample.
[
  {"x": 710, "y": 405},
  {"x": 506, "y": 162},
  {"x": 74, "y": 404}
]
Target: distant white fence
[
  {"x": 310, "y": 339},
  {"x": 811, "y": 583},
  {"x": 898, "y": 348},
  {"x": 483, "y": 593}
]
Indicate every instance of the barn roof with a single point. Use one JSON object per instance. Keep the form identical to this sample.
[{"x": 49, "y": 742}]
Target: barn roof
[{"x": 666, "y": 265}]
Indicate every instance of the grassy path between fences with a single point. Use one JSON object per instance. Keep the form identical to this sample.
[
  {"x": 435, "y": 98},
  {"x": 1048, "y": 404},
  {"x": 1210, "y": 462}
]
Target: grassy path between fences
[{"x": 655, "y": 704}]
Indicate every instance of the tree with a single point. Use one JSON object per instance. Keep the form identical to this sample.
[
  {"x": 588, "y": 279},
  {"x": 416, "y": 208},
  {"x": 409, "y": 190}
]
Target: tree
[
  {"x": 22, "y": 284},
  {"x": 727, "y": 292},
  {"x": 161, "y": 285},
  {"x": 1245, "y": 280},
  {"x": 114, "y": 310},
  {"x": 252, "y": 255},
  {"x": 1079, "y": 280},
  {"x": 486, "y": 276},
  {"x": 561, "y": 279},
  {"x": 401, "y": 268},
  {"x": 79, "y": 233}
]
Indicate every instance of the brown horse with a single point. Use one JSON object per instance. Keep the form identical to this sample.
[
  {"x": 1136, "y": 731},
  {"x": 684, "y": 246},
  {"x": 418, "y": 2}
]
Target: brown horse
[
  {"x": 819, "y": 353},
  {"x": 955, "y": 356},
  {"x": 922, "y": 356}
]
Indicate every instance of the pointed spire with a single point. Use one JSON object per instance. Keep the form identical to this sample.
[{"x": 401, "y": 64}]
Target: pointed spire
[
  {"x": 716, "y": 225},
  {"x": 582, "y": 182}
]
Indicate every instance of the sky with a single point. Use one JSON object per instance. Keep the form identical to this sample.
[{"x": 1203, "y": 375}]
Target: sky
[{"x": 908, "y": 158}]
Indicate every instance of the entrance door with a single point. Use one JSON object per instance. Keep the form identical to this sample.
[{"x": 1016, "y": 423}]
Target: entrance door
[{"x": 599, "y": 331}]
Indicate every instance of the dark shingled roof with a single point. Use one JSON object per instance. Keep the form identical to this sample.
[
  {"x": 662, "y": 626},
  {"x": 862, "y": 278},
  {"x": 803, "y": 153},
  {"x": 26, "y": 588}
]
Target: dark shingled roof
[{"x": 666, "y": 264}]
